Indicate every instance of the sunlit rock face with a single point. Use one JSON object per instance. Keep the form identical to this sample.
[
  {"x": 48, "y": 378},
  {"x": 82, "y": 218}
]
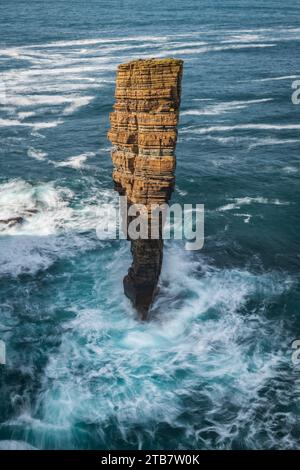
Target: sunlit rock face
[{"x": 143, "y": 133}]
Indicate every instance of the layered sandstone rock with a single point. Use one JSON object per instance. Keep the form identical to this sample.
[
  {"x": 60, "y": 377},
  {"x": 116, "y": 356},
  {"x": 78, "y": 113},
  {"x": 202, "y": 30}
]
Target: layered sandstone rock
[{"x": 143, "y": 133}]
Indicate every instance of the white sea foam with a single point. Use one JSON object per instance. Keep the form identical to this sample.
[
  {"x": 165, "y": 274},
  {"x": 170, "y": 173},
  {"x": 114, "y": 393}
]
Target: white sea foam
[
  {"x": 206, "y": 49},
  {"x": 75, "y": 162},
  {"x": 266, "y": 142},
  {"x": 26, "y": 114},
  {"x": 290, "y": 169},
  {"x": 37, "y": 154},
  {"x": 51, "y": 228},
  {"x": 53, "y": 83},
  {"x": 35, "y": 125},
  {"x": 201, "y": 345},
  {"x": 246, "y": 201},
  {"x": 247, "y": 217},
  {"x": 242, "y": 38},
  {"x": 137, "y": 373},
  {"x": 9, "y": 122},
  {"x": 34, "y": 100},
  {"x": 13, "y": 52},
  {"x": 180, "y": 191},
  {"x": 275, "y": 127},
  {"x": 230, "y": 140},
  {"x": 271, "y": 79},
  {"x": 77, "y": 103},
  {"x": 19, "y": 198},
  {"x": 73, "y": 85},
  {"x": 250, "y": 142},
  {"x": 44, "y": 125},
  {"x": 15, "y": 445},
  {"x": 95, "y": 41},
  {"x": 224, "y": 107},
  {"x": 60, "y": 74}
]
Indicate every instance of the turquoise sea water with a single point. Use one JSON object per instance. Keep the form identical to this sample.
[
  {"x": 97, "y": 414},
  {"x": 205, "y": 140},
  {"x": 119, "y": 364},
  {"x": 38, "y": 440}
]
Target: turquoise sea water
[{"x": 213, "y": 368}]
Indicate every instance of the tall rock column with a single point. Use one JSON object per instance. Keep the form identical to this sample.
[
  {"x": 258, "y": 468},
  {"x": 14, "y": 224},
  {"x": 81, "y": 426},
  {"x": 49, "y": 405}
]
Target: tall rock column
[{"x": 143, "y": 133}]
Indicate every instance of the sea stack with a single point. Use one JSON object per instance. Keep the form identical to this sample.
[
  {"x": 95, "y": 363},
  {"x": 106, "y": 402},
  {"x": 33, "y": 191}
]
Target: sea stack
[{"x": 143, "y": 133}]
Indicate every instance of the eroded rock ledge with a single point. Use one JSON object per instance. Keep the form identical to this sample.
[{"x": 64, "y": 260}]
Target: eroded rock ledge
[{"x": 143, "y": 133}]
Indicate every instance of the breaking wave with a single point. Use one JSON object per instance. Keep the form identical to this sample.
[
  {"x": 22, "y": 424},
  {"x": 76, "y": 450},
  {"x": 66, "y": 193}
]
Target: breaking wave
[
  {"x": 203, "y": 347},
  {"x": 39, "y": 225}
]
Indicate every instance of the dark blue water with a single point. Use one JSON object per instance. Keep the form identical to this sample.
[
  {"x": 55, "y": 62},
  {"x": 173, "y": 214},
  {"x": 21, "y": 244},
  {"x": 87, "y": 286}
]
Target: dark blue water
[{"x": 213, "y": 369}]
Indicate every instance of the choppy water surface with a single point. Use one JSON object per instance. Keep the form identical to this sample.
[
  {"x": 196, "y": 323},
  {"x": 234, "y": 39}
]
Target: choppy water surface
[{"x": 213, "y": 368}]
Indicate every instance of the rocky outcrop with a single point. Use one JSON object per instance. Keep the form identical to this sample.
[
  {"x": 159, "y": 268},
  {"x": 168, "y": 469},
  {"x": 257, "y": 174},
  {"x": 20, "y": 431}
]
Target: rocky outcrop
[
  {"x": 12, "y": 221},
  {"x": 19, "y": 219},
  {"x": 143, "y": 133}
]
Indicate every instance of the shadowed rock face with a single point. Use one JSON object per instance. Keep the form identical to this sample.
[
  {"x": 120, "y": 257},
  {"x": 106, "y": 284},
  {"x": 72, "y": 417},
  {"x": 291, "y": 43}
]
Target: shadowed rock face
[{"x": 143, "y": 132}]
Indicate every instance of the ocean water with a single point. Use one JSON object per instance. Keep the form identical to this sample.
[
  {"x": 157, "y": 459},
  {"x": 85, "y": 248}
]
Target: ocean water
[{"x": 213, "y": 368}]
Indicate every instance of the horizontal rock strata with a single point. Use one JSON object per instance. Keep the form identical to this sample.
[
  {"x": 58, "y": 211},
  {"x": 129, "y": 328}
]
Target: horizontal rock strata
[{"x": 143, "y": 133}]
